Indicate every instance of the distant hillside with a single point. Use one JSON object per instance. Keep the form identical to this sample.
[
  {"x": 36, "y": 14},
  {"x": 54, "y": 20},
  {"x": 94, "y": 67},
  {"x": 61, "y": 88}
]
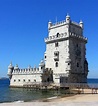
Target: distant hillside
[{"x": 3, "y": 78}]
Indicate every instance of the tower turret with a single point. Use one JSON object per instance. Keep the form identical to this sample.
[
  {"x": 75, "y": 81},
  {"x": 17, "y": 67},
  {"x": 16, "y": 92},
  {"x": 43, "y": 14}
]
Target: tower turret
[
  {"x": 42, "y": 65},
  {"x": 67, "y": 19},
  {"x": 10, "y": 70},
  {"x": 81, "y": 24},
  {"x": 16, "y": 67},
  {"x": 49, "y": 24}
]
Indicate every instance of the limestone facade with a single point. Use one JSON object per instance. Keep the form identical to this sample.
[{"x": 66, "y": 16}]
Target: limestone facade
[
  {"x": 19, "y": 77},
  {"x": 65, "y": 51},
  {"x": 64, "y": 58}
]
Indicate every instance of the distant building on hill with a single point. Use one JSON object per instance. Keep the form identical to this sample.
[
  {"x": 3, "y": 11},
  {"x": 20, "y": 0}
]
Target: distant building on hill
[{"x": 64, "y": 59}]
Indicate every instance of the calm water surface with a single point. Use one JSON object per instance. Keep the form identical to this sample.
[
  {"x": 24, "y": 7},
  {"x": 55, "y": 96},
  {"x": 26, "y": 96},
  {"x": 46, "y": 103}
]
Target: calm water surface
[
  {"x": 8, "y": 94},
  {"x": 19, "y": 94}
]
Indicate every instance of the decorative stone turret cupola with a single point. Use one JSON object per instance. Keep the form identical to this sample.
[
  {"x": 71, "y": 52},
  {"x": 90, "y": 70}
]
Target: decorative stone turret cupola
[
  {"x": 10, "y": 70},
  {"x": 42, "y": 66},
  {"x": 16, "y": 67},
  {"x": 68, "y": 19}
]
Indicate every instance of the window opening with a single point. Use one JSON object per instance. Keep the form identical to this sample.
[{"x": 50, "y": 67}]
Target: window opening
[
  {"x": 56, "y": 64},
  {"x": 57, "y": 34},
  {"x": 56, "y": 44},
  {"x": 77, "y": 64},
  {"x": 14, "y": 80}
]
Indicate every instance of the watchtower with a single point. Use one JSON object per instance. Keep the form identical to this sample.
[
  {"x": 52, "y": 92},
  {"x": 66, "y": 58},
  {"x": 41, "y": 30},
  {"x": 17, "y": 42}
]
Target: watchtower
[{"x": 66, "y": 51}]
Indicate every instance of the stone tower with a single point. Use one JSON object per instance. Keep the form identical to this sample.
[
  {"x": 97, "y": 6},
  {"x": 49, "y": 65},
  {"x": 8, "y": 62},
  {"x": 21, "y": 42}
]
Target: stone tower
[{"x": 65, "y": 51}]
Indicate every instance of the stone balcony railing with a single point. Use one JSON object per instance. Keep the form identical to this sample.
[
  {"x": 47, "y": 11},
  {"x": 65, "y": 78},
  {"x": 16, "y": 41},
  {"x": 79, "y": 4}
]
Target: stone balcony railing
[
  {"x": 75, "y": 23},
  {"x": 64, "y": 36},
  {"x": 78, "y": 36},
  {"x": 58, "y": 23},
  {"x": 63, "y": 23},
  {"x": 55, "y": 37},
  {"x": 56, "y": 58},
  {"x": 27, "y": 71}
]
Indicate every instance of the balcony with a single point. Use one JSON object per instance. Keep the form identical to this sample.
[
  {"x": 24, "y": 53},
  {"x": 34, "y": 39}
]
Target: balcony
[
  {"x": 56, "y": 55},
  {"x": 56, "y": 58}
]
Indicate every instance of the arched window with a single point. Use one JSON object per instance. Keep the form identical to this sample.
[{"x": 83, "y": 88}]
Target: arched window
[
  {"x": 77, "y": 64},
  {"x": 28, "y": 80},
  {"x": 19, "y": 80},
  {"x": 14, "y": 80},
  {"x": 34, "y": 80},
  {"x": 56, "y": 64},
  {"x": 45, "y": 57},
  {"x": 76, "y": 45},
  {"x": 57, "y": 34},
  {"x": 56, "y": 53},
  {"x": 23, "y": 80},
  {"x": 56, "y": 44}
]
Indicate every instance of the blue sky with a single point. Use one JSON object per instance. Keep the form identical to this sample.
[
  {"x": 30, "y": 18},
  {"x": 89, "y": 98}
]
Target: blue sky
[{"x": 23, "y": 27}]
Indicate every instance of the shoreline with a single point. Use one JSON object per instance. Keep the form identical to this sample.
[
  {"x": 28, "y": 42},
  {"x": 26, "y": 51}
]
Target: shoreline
[
  {"x": 72, "y": 94},
  {"x": 75, "y": 100}
]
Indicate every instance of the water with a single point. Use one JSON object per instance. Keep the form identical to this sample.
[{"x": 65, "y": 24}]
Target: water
[
  {"x": 8, "y": 94},
  {"x": 19, "y": 94},
  {"x": 92, "y": 80}
]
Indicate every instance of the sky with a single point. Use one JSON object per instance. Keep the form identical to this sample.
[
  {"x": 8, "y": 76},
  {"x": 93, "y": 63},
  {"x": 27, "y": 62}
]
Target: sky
[{"x": 23, "y": 27}]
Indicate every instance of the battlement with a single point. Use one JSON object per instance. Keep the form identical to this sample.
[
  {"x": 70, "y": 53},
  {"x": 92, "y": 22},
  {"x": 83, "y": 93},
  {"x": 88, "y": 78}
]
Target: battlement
[
  {"x": 78, "y": 36},
  {"x": 61, "y": 23},
  {"x": 56, "y": 37},
  {"x": 26, "y": 71},
  {"x": 64, "y": 36},
  {"x": 57, "y": 24},
  {"x": 75, "y": 23}
]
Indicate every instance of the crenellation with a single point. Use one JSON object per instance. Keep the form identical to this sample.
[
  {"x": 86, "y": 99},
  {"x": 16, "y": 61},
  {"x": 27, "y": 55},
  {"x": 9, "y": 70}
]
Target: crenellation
[
  {"x": 58, "y": 23},
  {"x": 78, "y": 36},
  {"x": 55, "y": 37},
  {"x": 26, "y": 71},
  {"x": 75, "y": 23},
  {"x": 37, "y": 69}
]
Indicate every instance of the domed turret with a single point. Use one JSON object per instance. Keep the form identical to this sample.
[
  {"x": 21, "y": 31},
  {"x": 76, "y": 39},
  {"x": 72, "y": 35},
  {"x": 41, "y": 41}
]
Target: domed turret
[
  {"x": 16, "y": 67},
  {"x": 67, "y": 19},
  {"x": 10, "y": 70},
  {"x": 49, "y": 24},
  {"x": 81, "y": 24},
  {"x": 42, "y": 65}
]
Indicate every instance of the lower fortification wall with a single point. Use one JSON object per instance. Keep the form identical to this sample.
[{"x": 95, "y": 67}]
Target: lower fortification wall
[{"x": 20, "y": 80}]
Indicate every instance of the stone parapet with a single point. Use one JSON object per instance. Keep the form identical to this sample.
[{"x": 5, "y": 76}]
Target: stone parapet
[
  {"x": 75, "y": 23},
  {"x": 61, "y": 23},
  {"x": 55, "y": 37},
  {"x": 26, "y": 71},
  {"x": 57, "y": 24},
  {"x": 64, "y": 35},
  {"x": 78, "y": 36}
]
